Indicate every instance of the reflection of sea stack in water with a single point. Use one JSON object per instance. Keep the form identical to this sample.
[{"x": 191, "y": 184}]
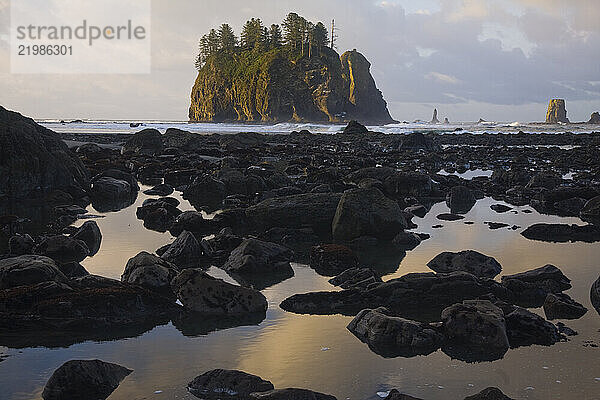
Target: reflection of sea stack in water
[
  {"x": 595, "y": 119},
  {"x": 435, "y": 119},
  {"x": 557, "y": 112}
]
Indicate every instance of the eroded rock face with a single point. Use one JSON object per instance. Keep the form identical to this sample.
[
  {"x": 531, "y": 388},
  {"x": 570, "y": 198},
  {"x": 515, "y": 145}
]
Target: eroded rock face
[
  {"x": 469, "y": 261},
  {"x": 84, "y": 380},
  {"x": 594, "y": 118},
  {"x": 202, "y": 293},
  {"x": 391, "y": 336},
  {"x": 34, "y": 160},
  {"x": 557, "y": 112},
  {"x": 366, "y": 101},
  {"x": 367, "y": 212},
  {"x": 229, "y": 384},
  {"x": 475, "y": 330},
  {"x": 319, "y": 88}
]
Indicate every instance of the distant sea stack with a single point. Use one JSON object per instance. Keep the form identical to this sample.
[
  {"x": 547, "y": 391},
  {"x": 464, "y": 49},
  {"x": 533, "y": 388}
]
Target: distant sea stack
[
  {"x": 276, "y": 77},
  {"x": 595, "y": 119},
  {"x": 435, "y": 119},
  {"x": 557, "y": 112}
]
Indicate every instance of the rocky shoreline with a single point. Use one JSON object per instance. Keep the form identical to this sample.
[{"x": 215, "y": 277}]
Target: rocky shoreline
[{"x": 343, "y": 204}]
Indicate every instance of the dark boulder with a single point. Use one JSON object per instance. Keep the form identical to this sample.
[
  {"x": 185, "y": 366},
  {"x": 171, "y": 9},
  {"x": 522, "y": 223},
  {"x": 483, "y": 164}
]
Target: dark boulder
[
  {"x": 490, "y": 393},
  {"x": 563, "y": 233},
  {"x": 469, "y": 261},
  {"x": 145, "y": 142},
  {"x": 227, "y": 384},
  {"x": 89, "y": 233},
  {"x": 185, "y": 252},
  {"x": 595, "y": 295},
  {"x": 355, "y": 278},
  {"x": 475, "y": 330},
  {"x": 526, "y": 328},
  {"x": 418, "y": 296},
  {"x": 20, "y": 244},
  {"x": 367, "y": 212},
  {"x": 396, "y": 395},
  {"x": 500, "y": 208},
  {"x": 591, "y": 211},
  {"x": 407, "y": 240},
  {"x": 562, "y": 306},
  {"x": 332, "y": 259},
  {"x": 63, "y": 249},
  {"x": 159, "y": 214},
  {"x": 594, "y": 118},
  {"x": 391, "y": 336},
  {"x": 291, "y": 394},
  {"x": 460, "y": 200},
  {"x": 149, "y": 271},
  {"x": 84, "y": 380},
  {"x": 417, "y": 141},
  {"x": 355, "y": 127},
  {"x": 163, "y": 189},
  {"x": 204, "y": 294},
  {"x": 259, "y": 264},
  {"x": 28, "y": 270},
  {"x": 530, "y": 288},
  {"x": 34, "y": 160},
  {"x": 449, "y": 217},
  {"x": 191, "y": 221},
  {"x": 205, "y": 192},
  {"x": 315, "y": 210},
  {"x": 73, "y": 270}
]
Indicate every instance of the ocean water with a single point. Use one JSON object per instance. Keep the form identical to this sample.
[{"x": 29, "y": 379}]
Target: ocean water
[
  {"x": 318, "y": 352},
  {"x": 96, "y": 127}
]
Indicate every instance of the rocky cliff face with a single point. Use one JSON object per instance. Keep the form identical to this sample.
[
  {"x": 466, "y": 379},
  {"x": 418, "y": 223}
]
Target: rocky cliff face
[
  {"x": 557, "y": 112},
  {"x": 272, "y": 87},
  {"x": 34, "y": 160}
]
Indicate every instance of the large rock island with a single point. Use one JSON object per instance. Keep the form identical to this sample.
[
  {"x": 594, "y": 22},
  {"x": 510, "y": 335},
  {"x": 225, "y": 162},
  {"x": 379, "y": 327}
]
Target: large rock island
[{"x": 277, "y": 76}]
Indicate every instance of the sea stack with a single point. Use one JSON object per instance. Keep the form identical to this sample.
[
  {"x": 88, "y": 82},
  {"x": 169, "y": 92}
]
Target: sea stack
[
  {"x": 595, "y": 118},
  {"x": 435, "y": 119},
  {"x": 557, "y": 112}
]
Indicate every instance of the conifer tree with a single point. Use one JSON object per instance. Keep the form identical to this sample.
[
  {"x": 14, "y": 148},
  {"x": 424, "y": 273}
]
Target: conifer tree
[
  {"x": 275, "y": 37},
  {"x": 227, "y": 38}
]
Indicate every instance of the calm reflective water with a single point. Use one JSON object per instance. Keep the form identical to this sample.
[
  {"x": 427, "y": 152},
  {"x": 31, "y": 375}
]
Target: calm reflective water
[{"x": 317, "y": 352}]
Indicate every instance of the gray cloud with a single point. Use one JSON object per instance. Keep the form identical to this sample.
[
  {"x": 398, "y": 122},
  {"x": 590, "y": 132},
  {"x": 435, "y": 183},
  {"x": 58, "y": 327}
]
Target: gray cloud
[{"x": 470, "y": 58}]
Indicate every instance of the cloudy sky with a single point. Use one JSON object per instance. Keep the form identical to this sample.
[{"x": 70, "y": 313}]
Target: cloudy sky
[{"x": 499, "y": 59}]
